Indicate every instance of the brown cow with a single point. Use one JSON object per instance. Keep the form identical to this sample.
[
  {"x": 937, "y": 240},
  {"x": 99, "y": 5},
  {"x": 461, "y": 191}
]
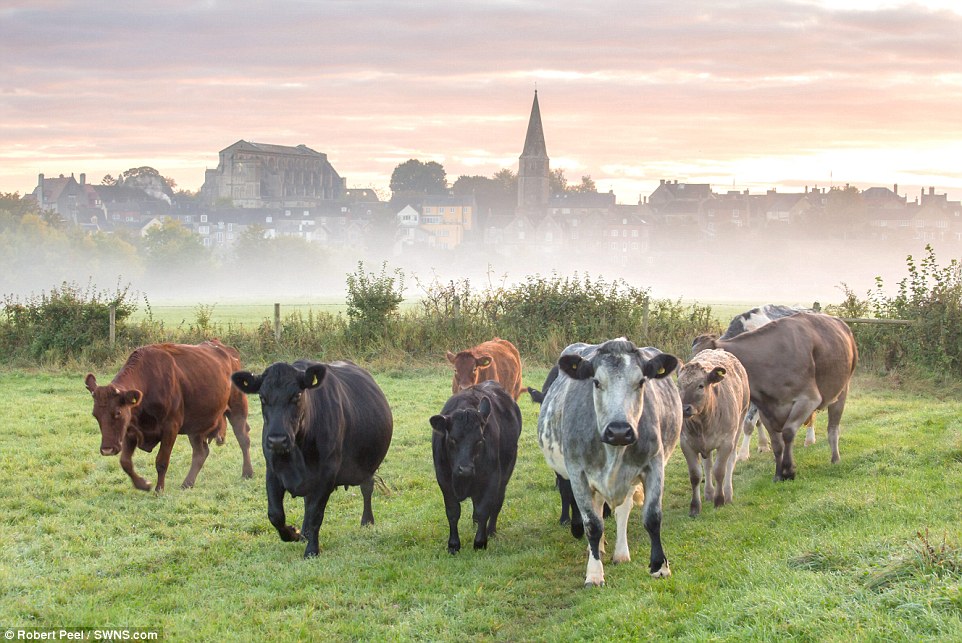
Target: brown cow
[
  {"x": 166, "y": 389},
  {"x": 496, "y": 360},
  {"x": 714, "y": 401},
  {"x": 796, "y": 365}
]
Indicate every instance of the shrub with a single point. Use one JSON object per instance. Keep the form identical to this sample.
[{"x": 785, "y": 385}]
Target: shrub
[
  {"x": 373, "y": 300},
  {"x": 62, "y": 323}
]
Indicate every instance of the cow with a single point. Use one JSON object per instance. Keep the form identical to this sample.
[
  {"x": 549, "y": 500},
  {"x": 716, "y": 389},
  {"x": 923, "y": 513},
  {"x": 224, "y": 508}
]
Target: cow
[
  {"x": 475, "y": 445},
  {"x": 325, "y": 425},
  {"x": 715, "y": 399},
  {"x": 168, "y": 389},
  {"x": 749, "y": 321},
  {"x": 608, "y": 425},
  {"x": 796, "y": 365},
  {"x": 497, "y": 360}
]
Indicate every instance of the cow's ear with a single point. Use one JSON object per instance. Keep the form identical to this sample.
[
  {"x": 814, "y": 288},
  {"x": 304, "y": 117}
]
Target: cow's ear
[
  {"x": 451, "y": 357},
  {"x": 440, "y": 423},
  {"x": 661, "y": 365},
  {"x": 91, "y": 382},
  {"x": 484, "y": 361},
  {"x": 132, "y": 397},
  {"x": 717, "y": 375},
  {"x": 313, "y": 376},
  {"x": 485, "y": 408},
  {"x": 247, "y": 381},
  {"x": 575, "y": 367}
]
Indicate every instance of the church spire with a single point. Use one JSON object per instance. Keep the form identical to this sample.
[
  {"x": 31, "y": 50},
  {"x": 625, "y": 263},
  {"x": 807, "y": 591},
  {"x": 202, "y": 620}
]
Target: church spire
[
  {"x": 533, "y": 167},
  {"x": 534, "y": 140}
]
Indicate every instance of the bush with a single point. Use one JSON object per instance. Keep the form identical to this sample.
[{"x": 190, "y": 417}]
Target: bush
[
  {"x": 373, "y": 301},
  {"x": 63, "y": 323}
]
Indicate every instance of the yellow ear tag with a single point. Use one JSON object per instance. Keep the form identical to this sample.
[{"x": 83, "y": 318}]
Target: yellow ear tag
[
  {"x": 314, "y": 383},
  {"x": 134, "y": 399},
  {"x": 661, "y": 371}
]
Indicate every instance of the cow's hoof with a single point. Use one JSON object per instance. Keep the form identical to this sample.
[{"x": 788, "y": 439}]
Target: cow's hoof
[
  {"x": 480, "y": 544},
  {"x": 578, "y": 531},
  {"x": 589, "y": 583},
  {"x": 564, "y": 520},
  {"x": 663, "y": 572},
  {"x": 142, "y": 485},
  {"x": 617, "y": 559},
  {"x": 310, "y": 553},
  {"x": 292, "y": 535}
]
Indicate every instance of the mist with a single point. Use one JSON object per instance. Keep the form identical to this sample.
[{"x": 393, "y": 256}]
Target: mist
[{"x": 751, "y": 269}]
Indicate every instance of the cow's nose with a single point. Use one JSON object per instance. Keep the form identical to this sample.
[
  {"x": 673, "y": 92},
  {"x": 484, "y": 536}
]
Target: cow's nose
[
  {"x": 619, "y": 434},
  {"x": 108, "y": 451},
  {"x": 465, "y": 471},
  {"x": 688, "y": 410},
  {"x": 278, "y": 443}
]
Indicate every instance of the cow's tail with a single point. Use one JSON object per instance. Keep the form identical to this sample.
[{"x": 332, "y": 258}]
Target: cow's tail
[{"x": 382, "y": 486}]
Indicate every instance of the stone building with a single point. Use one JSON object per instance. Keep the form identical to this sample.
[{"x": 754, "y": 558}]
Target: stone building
[{"x": 258, "y": 175}]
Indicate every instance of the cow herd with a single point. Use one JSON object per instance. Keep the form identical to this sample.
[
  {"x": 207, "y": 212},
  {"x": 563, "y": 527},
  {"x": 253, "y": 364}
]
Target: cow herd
[{"x": 611, "y": 415}]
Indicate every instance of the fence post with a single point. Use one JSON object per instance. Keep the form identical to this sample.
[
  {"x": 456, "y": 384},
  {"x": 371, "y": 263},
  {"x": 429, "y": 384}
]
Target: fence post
[
  {"x": 113, "y": 325},
  {"x": 277, "y": 322}
]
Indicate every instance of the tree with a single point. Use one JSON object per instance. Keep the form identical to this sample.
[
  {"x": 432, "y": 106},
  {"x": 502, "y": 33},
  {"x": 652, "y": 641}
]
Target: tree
[
  {"x": 587, "y": 186},
  {"x": 492, "y": 194},
  {"x": 557, "y": 182},
  {"x": 416, "y": 178},
  {"x": 174, "y": 252}
]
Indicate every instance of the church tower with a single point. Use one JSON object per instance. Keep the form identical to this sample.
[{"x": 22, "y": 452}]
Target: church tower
[{"x": 533, "y": 171}]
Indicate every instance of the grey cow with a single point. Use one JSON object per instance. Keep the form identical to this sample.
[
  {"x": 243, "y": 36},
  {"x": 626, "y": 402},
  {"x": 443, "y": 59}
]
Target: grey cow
[
  {"x": 796, "y": 365},
  {"x": 743, "y": 323},
  {"x": 609, "y": 425},
  {"x": 715, "y": 400}
]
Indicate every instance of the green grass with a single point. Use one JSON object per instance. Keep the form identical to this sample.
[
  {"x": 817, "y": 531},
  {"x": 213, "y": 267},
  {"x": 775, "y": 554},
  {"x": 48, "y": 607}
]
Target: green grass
[{"x": 867, "y": 549}]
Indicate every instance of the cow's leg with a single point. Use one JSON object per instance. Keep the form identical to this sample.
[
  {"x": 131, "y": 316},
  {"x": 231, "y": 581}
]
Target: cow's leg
[
  {"x": 167, "y": 440},
  {"x": 564, "y": 490},
  {"x": 314, "y": 506},
  {"x": 275, "y": 510},
  {"x": 834, "y": 419},
  {"x": 367, "y": 490},
  {"x": 237, "y": 415},
  {"x": 200, "y": 451},
  {"x": 568, "y": 497},
  {"x": 723, "y": 472},
  {"x": 694, "y": 476},
  {"x": 748, "y": 427},
  {"x": 127, "y": 463},
  {"x": 810, "y": 432},
  {"x": 622, "y": 511},
  {"x": 710, "y": 487},
  {"x": 654, "y": 482},
  {"x": 453, "y": 510},
  {"x": 595, "y": 527},
  {"x": 763, "y": 435},
  {"x": 801, "y": 410}
]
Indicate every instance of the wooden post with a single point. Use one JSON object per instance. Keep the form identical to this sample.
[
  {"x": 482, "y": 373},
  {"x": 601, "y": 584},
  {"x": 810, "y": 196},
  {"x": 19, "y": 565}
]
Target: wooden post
[
  {"x": 277, "y": 322},
  {"x": 113, "y": 325}
]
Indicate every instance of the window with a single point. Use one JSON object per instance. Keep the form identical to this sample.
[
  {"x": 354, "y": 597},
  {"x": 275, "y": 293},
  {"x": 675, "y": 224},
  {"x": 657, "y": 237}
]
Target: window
[
  {"x": 269, "y": 220},
  {"x": 207, "y": 242},
  {"x": 230, "y": 227},
  {"x": 203, "y": 218},
  {"x": 204, "y": 229},
  {"x": 634, "y": 234}
]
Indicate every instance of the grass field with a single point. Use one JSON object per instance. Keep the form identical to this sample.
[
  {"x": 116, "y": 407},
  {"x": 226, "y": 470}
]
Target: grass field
[{"x": 867, "y": 549}]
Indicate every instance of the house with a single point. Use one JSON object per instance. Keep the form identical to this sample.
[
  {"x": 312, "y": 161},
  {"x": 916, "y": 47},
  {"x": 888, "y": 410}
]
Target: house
[{"x": 447, "y": 220}]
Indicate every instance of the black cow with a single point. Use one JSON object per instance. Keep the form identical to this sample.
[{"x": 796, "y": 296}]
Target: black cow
[
  {"x": 325, "y": 425},
  {"x": 475, "y": 445}
]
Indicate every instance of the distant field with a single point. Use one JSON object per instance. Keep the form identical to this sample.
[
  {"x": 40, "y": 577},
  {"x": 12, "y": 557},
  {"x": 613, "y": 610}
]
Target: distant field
[
  {"x": 185, "y": 313},
  {"x": 867, "y": 549}
]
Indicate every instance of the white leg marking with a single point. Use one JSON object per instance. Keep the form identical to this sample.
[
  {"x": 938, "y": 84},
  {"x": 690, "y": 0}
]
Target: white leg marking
[
  {"x": 622, "y": 511},
  {"x": 595, "y": 575}
]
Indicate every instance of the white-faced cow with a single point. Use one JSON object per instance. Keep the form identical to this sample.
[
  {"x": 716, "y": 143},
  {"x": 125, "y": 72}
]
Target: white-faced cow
[
  {"x": 325, "y": 425},
  {"x": 715, "y": 399},
  {"x": 609, "y": 424},
  {"x": 749, "y": 321},
  {"x": 475, "y": 445},
  {"x": 796, "y": 365},
  {"x": 496, "y": 359},
  {"x": 168, "y": 389}
]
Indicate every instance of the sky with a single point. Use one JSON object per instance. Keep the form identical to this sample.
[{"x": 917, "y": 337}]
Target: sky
[{"x": 756, "y": 95}]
